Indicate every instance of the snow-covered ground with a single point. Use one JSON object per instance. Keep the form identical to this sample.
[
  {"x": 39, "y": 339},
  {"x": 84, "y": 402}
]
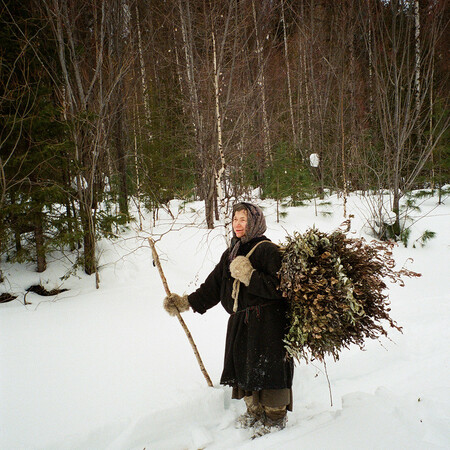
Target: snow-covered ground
[{"x": 109, "y": 369}]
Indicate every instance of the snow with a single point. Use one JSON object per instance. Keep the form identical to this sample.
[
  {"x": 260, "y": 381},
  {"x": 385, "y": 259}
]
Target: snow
[
  {"x": 314, "y": 160},
  {"x": 109, "y": 369}
]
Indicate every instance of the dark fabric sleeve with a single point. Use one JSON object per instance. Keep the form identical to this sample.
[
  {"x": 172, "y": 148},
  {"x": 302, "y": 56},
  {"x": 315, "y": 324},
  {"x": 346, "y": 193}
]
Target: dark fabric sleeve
[
  {"x": 208, "y": 294},
  {"x": 265, "y": 281}
]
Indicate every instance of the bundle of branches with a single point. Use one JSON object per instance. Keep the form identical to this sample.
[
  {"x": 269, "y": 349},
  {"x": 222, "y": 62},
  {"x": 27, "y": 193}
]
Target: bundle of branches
[{"x": 336, "y": 292}]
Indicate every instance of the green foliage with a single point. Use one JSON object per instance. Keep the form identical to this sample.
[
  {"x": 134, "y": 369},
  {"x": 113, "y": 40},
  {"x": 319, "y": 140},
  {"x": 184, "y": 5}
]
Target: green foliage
[
  {"x": 72, "y": 271},
  {"x": 292, "y": 202},
  {"x": 33, "y": 154},
  {"x": 168, "y": 162},
  {"x": 425, "y": 237},
  {"x": 424, "y": 193},
  {"x": 37, "y": 154},
  {"x": 287, "y": 176},
  {"x": 170, "y": 173},
  {"x": 65, "y": 232},
  {"x": 410, "y": 204},
  {"x": 335, "y": 288},
  {"x": 437, "y": 168},
  {"x": 395, "y": 231},
  {"x": 404, "y": 236},
  {"x": 105, "y": 222},
  {"x": 445, "y": 190}
]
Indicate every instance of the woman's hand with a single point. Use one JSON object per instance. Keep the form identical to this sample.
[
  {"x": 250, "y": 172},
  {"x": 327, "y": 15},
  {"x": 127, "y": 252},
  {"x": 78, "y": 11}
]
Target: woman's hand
[
  {"x": 241, "y": 269},
  {"x": 174, "y": 303}
]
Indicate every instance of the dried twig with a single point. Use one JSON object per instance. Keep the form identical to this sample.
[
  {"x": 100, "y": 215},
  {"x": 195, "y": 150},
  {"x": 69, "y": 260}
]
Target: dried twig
[{"x": 180, "y": 319}]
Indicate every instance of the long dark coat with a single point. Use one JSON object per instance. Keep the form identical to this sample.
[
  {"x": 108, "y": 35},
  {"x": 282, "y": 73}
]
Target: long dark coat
[{"x": 255, "y": 357}]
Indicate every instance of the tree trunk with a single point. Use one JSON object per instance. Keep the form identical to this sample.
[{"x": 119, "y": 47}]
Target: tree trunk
[
  {"x": 370, "y": 51},
  {"x": 220, "y": 178},
  {"x": 209, "y": 201},
  {"x": 396, "y": 227},
  {"x": 122, "y": 160},
  {"x": 117, "y": 33},
  {"x": 143, "y": 77},
  {"x": 70, "y": 224},
  {"x": 262, "y": 87},
  {"x": 417, "y": 56},
  {"x": 288, "y": 76},
  {"x": 205, "y": 169},
  {"x": 90, "y": 263},
  {"x": 344, "y": 170},
  {"x": 308, "y": 103},
  {"x": 39, "y": 240},
  {"x": 136, "y": 128}
]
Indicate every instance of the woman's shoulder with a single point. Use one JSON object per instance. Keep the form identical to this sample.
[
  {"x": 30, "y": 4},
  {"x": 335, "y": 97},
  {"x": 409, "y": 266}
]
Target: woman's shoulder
[
  {"x": 266, "y": 254},
  {"x": 263, "y": 244},
  {"x": 224, "y": 255}
]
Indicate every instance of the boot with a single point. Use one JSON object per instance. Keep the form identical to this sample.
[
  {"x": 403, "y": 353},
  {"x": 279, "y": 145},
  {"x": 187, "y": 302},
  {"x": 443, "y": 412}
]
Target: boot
[
  {"x": 252, "y": 416},
  {"x": 273, "y": 419}
]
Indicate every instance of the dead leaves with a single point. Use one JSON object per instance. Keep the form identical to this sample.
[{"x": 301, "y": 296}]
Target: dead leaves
[{"x": 336, "y": 292}]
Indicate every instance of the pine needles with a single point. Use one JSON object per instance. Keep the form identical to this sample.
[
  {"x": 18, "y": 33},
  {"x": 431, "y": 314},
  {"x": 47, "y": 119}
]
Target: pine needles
[{"x": 336, "y": 292}]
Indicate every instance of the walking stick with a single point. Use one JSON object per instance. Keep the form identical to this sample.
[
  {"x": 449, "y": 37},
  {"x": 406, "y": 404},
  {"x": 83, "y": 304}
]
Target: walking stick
[{"x": 180, "y": 319}]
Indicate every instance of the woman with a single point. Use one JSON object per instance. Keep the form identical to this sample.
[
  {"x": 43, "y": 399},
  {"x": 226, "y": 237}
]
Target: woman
[{"x": 246, "y": 282}]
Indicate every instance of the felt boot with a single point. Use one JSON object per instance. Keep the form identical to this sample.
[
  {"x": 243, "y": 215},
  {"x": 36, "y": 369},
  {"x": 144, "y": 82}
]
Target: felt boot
[
  {"x": 253, "y": 414},
  {"x": 273, "y": 419}
]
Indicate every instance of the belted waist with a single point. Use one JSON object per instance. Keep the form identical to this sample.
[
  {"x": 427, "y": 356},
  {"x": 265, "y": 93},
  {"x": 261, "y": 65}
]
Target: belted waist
[{"x": 256, "y": 308}]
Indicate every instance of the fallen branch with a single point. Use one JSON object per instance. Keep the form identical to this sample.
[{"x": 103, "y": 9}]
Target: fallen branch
[{"x": 180, "y": 319}]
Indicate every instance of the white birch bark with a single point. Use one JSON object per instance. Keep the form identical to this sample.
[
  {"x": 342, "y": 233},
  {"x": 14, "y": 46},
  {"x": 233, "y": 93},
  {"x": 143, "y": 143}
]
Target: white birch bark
[{"x": 220, "y": 177}]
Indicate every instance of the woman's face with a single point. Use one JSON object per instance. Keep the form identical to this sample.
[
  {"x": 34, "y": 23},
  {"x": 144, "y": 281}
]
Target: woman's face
[{"x": 240, "y": 223}]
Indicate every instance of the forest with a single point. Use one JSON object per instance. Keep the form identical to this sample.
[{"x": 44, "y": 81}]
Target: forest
[{"x": 108, "y": 105}]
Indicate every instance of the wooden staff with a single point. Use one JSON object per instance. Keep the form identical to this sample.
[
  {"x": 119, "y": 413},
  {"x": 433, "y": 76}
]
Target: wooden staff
[{"x": 180, "y": 319}]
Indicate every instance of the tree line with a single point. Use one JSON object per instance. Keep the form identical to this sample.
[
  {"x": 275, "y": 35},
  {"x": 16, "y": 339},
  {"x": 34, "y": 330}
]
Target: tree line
[{"x": 104, "y": 103}]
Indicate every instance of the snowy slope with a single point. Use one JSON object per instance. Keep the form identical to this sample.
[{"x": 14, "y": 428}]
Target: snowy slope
[{"x": 109, "y": 369}]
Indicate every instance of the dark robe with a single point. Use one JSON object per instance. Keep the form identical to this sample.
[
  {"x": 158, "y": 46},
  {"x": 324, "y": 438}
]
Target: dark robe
[{"x": 255, "y": 357}]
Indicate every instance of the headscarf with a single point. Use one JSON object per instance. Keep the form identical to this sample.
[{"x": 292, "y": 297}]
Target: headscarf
[{"x": 256, "y": 226}]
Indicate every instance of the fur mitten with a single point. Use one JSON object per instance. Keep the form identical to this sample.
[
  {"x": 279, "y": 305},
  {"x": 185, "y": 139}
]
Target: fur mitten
[
  {"x": 241, "y": 269},
  {"x": 173, "y": 303}
]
